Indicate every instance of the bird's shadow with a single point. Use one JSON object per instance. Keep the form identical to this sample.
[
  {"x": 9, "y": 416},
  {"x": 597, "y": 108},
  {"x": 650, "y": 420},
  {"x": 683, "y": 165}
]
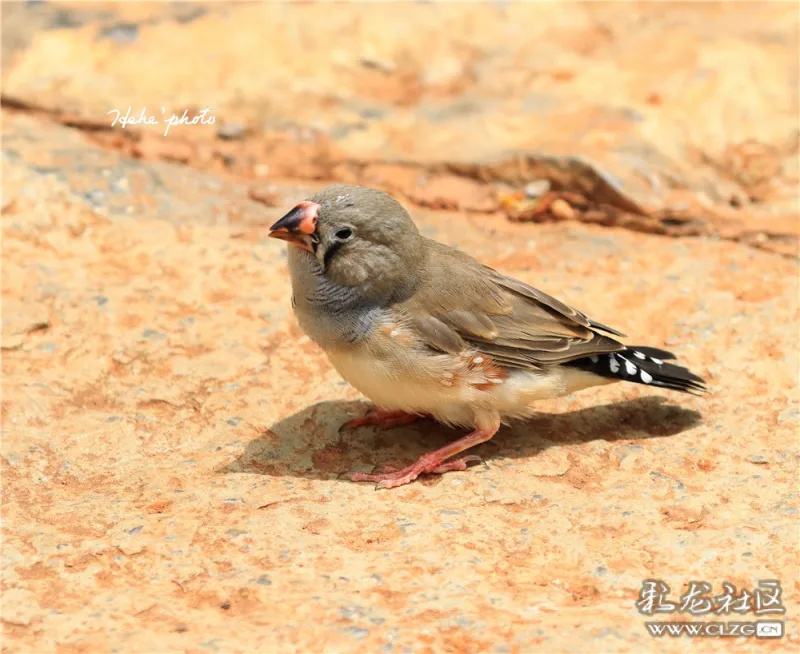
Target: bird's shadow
[{"x": 309, "y": 444}]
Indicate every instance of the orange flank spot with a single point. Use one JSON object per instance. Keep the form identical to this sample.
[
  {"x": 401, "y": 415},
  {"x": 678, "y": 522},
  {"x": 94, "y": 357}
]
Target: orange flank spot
[{"x": 486, "y": 372}]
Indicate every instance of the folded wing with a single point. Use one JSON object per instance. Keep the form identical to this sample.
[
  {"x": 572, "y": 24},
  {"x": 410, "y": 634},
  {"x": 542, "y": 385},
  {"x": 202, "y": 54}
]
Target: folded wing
[{"x": 462, "y": 304}]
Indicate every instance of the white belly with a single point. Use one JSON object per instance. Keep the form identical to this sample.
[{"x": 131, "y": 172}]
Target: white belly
[{"x": 403, "y": 388}]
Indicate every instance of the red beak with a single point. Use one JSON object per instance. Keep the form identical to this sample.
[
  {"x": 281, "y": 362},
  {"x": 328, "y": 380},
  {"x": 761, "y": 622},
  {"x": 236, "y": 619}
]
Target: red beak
[{"x": 298, "y": 226}]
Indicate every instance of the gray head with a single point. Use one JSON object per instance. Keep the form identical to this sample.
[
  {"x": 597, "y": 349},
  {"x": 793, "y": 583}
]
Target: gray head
[{"x": 355, "y": 237}]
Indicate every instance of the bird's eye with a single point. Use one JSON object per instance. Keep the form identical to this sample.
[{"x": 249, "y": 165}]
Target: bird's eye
[{"x": 344, "y": 234}]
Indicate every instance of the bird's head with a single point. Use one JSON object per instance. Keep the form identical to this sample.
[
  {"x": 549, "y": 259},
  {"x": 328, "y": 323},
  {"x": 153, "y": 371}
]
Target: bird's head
[{"x": 356, "y": 236}]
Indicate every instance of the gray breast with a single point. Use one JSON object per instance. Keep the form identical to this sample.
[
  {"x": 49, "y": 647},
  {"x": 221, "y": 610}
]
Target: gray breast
[{"x": 331, "y": 315}]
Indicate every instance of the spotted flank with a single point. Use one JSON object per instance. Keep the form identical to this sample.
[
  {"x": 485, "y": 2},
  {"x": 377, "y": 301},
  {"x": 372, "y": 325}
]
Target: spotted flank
[{"x": 643, "y": 365}]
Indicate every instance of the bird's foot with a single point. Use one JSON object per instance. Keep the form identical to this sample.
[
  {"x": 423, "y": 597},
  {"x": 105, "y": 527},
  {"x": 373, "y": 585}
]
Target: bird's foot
[
  {"x": 390, "y": 477},
  {"x": 382, "y": 419}
]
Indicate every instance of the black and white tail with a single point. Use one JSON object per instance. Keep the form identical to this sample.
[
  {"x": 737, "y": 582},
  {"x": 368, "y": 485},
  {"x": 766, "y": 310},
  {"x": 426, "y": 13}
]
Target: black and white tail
[{"x": 643, "y": 365}]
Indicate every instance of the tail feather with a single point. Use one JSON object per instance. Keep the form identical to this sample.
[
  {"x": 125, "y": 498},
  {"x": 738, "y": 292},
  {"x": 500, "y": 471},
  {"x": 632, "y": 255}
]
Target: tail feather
[
  {"x": 643, "y": 365},
  {"x": 653, "y": 352}
]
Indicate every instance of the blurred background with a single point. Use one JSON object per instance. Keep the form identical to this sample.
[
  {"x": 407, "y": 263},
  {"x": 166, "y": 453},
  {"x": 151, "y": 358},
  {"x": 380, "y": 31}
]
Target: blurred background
[
  {"x": 670, "y": 117},
  {"x": 170, "y": 439}
]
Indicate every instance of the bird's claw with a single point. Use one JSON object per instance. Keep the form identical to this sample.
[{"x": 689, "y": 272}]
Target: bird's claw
[
  {"x": 460, "y": 464},
  {"x": 391, "y": 477}
]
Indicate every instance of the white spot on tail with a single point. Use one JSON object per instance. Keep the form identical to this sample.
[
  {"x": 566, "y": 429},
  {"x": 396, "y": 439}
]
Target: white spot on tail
[
  {"x": 613, "y": 363},
  {"x": 639, "y": 355},
  {"x": 594, "y": 359},
  {"x": 658, "y": 361},
  {"x": 630, "y": 368},
  {"x": 646, "y": 378}
]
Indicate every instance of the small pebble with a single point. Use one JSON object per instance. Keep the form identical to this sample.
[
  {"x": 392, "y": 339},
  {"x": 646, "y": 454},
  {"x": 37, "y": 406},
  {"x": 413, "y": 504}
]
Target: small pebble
[
  {"x": 537, "y": 188},
  {"x": 374, "y": 63},
  {"x": 561, "y": 209},
  {"x": 231, "y": 131},
  {"x": 122, "y": 33}
]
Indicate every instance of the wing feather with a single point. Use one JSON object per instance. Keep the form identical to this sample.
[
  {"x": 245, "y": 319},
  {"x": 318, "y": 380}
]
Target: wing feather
[{"x": 461, "y": 304}]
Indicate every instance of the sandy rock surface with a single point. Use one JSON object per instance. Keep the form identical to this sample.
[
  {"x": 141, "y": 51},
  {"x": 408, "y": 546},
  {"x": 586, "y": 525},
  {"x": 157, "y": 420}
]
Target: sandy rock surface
[
  {"x": 170, "y": 443},
  {"x": 171, "y": 450}
]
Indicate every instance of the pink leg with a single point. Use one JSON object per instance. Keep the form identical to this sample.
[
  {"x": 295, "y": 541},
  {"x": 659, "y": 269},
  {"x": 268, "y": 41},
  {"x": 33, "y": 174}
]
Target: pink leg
[
  {"x": 433, "y": 462},
  {"x": 383, "y": 419}
]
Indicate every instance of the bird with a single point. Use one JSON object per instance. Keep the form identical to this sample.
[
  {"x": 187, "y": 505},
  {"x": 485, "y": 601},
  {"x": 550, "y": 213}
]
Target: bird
[{"x": 424, "y": 330}]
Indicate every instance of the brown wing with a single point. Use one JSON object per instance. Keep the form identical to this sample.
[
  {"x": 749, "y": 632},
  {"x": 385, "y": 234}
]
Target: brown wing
[{"x": 462, "y": 304}]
